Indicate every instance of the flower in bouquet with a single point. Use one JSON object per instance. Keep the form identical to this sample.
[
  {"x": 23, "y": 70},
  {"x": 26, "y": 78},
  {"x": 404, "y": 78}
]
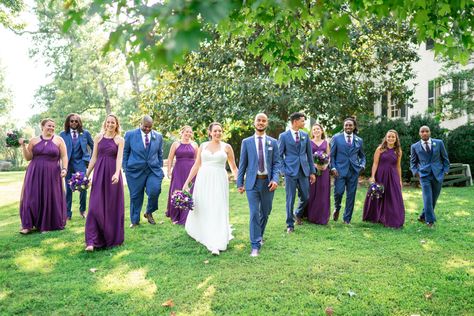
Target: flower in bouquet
[
  {"x": 13, "y": 138},
  {"x": 376, "y": 190},
  {"x": 78, "y": 182},
  {"x": 182, "y": 200},
  {"x": 320, "y": 158}
]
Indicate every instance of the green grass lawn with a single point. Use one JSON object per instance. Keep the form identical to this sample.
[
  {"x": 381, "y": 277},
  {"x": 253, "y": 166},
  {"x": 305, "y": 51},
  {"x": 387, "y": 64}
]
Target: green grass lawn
[{"x": 414, "y": 270}]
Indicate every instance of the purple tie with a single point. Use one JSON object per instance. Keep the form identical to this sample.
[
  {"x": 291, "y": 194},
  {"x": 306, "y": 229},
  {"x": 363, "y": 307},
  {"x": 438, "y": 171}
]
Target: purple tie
[
  {"x": 349, "y": 140},
  {"x": 297, "y": 137},
  {"x": 427, "y": 147},
  {"x": 261, "y": 164},
  {"x": 147, "y": 141},
  {"x": 74, "y": 136}
]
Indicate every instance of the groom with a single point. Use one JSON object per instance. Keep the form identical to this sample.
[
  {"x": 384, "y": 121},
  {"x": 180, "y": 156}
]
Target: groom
[
  {"x": 429, "y": 161},
  {"x": 260, "y": 163},
  {"x": 295, "y": 151},
  {"x": 142, "y": 163}
]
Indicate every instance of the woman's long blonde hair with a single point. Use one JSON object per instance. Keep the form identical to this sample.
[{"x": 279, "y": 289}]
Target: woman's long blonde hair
[
  {"x": 397, "y": 147},
  {"x": 117, "y": 128}
]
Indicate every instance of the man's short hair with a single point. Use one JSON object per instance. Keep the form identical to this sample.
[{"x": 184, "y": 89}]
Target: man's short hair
[{"x": 296, "y": 116}]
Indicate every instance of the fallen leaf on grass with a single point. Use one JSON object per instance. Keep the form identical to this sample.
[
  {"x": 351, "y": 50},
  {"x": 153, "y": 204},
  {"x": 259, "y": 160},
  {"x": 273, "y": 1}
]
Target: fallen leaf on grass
[
  {"x": 351, "y": 293},
  {"x": 423, "y": 241},
  {"x": 329, "y": 311},
  {"x": 161, "y": 222},
  {"x": 206, "y": 261},
  {"x": 428, "y": 295},
  {"x": 168, "y": 303},
  {"x": 93, "y": 270},
  {"x": 331, "y": 249}
]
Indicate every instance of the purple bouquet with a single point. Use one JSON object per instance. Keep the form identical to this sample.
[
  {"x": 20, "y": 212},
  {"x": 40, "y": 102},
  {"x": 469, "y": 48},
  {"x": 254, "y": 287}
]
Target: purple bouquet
[
  {"x": 376, "y": 190},
  {"x": 13, "y": 138},
  {"x": 78, "y": 182},
  {"x": 182, "y": 200},
  {"x": 320, "y": 158}
]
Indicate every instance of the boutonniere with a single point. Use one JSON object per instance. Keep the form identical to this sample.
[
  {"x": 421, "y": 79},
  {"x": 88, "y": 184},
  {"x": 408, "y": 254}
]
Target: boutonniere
[
  {"x": 433, "y": 144},
  {"x": 80, "y": 134},
  {"x": 153, "y": 136},
  {"x": 303, "y": 138},
  {"x": 269, "y": 142}
]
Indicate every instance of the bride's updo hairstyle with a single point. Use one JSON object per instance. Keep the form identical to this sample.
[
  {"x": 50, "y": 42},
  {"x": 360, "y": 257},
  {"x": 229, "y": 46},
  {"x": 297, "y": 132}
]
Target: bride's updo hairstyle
[{"x": 211, "y": 126}]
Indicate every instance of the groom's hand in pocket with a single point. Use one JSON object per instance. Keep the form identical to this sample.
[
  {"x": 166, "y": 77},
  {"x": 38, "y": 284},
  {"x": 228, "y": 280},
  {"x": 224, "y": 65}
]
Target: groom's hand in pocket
[
  {"x": 272, "y": 186},
  {"x": 241, "y": 190}
]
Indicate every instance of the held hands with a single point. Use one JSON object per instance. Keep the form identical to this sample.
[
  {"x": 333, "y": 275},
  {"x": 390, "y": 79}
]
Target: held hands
[{"x": 241, "y": 190}]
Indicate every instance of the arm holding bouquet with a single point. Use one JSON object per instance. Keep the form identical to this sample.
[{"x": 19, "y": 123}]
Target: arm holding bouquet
[
  {"x": 194, "y": 170},
  {"x": 375, "y": 164},
  {"x": 27, "y": 147}
]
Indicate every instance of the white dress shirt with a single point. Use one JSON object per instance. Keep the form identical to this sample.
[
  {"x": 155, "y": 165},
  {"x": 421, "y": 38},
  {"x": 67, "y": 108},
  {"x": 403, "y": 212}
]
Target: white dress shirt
[
  {"x": 429, "y": 144},
  {"x": 143, "y": 137},
  {"x": 293, "y": 134}
]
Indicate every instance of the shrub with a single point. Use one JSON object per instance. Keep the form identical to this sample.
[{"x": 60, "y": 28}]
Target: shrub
[{"x": 460, "y": 145}]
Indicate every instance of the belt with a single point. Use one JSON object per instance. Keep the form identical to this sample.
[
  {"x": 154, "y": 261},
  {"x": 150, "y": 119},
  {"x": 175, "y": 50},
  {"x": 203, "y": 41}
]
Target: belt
[{"x": 262, "y": 176}]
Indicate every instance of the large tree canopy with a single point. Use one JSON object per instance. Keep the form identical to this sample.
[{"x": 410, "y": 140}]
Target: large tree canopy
[{"x": 162, "y": 32}]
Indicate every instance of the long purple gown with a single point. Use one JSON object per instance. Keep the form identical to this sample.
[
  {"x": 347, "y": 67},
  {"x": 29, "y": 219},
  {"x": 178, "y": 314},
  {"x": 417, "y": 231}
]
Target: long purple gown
[
  {"x": 184, "y": 162},
  {"x": 319, "y": 193},
  {"x": 105, "y": 220},
  {"x": 389, "y": 209},
  {"x": 43, "y": 203}
]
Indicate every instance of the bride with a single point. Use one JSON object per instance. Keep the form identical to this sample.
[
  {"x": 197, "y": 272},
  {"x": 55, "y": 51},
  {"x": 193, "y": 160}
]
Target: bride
[{"x": 208, "y": 223}]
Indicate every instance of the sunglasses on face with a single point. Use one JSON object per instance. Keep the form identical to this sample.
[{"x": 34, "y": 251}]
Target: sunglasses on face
[{"x": 73, "y": 121}]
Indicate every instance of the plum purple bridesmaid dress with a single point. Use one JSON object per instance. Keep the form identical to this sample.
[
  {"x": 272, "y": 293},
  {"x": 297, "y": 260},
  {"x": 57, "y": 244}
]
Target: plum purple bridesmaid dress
[
  {"x": 319, "y": 192},
  {"x": 184, "y": 161},
  {"x": 388, "y": 210},
  {"x": 43, "y": 203},
  {"x": 105, "y": 219}
]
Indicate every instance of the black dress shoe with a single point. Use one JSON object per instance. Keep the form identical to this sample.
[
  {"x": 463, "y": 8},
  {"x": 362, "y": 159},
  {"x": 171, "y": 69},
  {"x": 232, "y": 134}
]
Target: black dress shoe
[
  {"x": 150, "y": 219},
  {"x": 335, "y": 216},
  {"x": 421, "y": 219}
]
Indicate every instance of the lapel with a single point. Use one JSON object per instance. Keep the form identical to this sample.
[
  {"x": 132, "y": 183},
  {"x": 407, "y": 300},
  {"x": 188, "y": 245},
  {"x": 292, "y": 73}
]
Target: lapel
[
  {"x": 423, "y": 151},
  {"x": 253, "y": 151},
  {"x": 139, "y": 142}
]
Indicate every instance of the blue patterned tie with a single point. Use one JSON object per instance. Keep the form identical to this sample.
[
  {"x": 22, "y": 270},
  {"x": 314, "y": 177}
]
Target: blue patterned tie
[{"x": 261, "y": 164}]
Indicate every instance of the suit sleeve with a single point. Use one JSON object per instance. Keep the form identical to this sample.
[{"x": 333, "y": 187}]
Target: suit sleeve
[
  {"x": 90, "y": 141},
  {"x": 126, "y": 151},
  {"x": 243, "y": 162},
  {"x": 160, "y": 152},
  {"x": 444, "y": 157},
  {"x": 362, "y": 154},
  {"x": 333, "y": 153},
  {"x": 309, "y": 153},
  {"x": 413, "y": 160},
  {"x": 281, "y": 152},
  {"x": 277, "y": 163}
]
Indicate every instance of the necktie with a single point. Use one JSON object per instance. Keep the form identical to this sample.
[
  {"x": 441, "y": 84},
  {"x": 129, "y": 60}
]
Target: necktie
[
  {"x": 147, "y": 141},
  {"x": 261, "y": 164},
  {"x": 349, "y": 140},
  {"x": 427, "y": 147},
  {"x": 74, "y": 136},
  {"x": 297, "y": 137}
]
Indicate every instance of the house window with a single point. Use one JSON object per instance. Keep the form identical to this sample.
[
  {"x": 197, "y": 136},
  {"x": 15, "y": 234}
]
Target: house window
[
  {"x": 458, "y": 87},
  {"x": 434, "y": 92},
  {"x": 391, "y": 107}
]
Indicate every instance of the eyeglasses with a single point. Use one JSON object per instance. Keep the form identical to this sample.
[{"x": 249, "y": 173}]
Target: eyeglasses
[{"x": 74, "y": 121}]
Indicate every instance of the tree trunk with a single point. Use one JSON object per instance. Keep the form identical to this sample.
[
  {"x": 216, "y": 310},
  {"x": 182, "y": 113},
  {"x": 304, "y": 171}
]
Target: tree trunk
[{"x": 105, "y": 93}]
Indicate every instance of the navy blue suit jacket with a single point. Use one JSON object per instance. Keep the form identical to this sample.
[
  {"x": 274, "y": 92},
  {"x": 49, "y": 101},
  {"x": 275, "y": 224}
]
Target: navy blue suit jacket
[
  {"x": 248, "y": 163},
  {"x": 136, "y": 158},
  {"x": 424, "y": 163},
  {"x": 294, "y": 156},
  {"x": 343, "y": 156},
  {"x": 86, "y": 140}
]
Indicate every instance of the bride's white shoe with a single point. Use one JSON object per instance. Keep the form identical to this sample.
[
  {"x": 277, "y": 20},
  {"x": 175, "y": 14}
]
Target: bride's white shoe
[{"x": 215, "y": 252}]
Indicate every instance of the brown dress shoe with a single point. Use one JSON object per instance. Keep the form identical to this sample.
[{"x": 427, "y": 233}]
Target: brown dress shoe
[
  {"x": 299, "y": 220},
  {"x": 150, "y": 219},
  {"x": 335, "y": 216}
]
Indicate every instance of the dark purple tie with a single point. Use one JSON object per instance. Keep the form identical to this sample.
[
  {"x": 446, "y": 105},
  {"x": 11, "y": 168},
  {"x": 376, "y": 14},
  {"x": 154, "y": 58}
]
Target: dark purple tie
[
  {"x": 297, "y": 137},
  {"x": 427, "y": 147},
  {"x": 147, "y": 141},
  {"x": 261, "y": 164},
  {"x": 74, "y": 136},
  {"x": 349, "y": 143}
]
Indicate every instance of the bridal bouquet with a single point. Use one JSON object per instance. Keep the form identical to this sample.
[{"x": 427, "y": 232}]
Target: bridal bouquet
[
  {"x": 13, "y": 138},
  {"x": 376, "y": 190},
  {"x": 320, "y": 158},
  {"x": 182, "y": 200},
  {"x": 78, "y": 182}
]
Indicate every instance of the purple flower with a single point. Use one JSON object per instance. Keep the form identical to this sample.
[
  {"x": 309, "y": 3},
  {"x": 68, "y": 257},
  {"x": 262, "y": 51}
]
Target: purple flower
[
  {"x": 182, "y": 200},
  {"x": 320, "y": 158},
  {"x": 376, "y": 190},
  {"x": 78, "y": 182}
]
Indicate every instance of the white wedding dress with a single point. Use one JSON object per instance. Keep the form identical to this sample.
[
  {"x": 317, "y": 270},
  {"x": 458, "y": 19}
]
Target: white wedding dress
[{"x": 208, "y": 223}]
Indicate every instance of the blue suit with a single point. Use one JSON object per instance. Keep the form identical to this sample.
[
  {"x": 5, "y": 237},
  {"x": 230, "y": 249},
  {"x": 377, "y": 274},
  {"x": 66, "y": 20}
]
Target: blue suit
[
  {"x": 431, "y": 167},
  {"x": 349, "y": 161},
  {"x": 258, "y": 195},
  {"x": 297, "y": 166},
  {"x": 78, "y": 156},
  {"x": 143, "y": 170}
]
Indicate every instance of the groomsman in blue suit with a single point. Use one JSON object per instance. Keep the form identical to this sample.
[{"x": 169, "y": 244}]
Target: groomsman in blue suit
[
  {"x": 79, "y": 146},
  {"x": 260, "y": 163},
  {"x": 429, "y": 161},
  {"x": 347, "y": 162},
  {"x": 295, "y": 151},
  {"x": 143, "y": 162}
]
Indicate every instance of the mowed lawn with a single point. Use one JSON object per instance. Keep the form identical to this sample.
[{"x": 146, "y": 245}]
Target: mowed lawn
[{"x": 361, "y": 269}]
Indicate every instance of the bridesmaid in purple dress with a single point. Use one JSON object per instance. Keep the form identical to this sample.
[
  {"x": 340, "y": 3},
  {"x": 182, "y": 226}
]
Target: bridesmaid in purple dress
[
  {"x": 43, "y": 203},
  {"x": 185, "y": 152},
  {"x": 319, "y": 192},
  {"x": 386, "y": 170},
  {"x": 105, "y": 220}
]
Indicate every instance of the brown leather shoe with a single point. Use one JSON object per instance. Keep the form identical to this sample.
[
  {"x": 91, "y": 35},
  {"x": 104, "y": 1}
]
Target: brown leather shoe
[
  {"x": 430, "y": 225},
  {"x": 335, "y": 216},
  {"x": 421, "y": 219},
  {"x": 299, "y": 220},
  {"x": 150, "y": 219}
]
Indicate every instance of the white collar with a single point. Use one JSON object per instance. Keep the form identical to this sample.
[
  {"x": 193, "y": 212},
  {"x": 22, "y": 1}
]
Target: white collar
[
  {"x": 351, "y": 135},
  {"x": 293, "y": 131},
  {"x": 429, "y": 141},
  {"x": 263, "y": 136}
]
